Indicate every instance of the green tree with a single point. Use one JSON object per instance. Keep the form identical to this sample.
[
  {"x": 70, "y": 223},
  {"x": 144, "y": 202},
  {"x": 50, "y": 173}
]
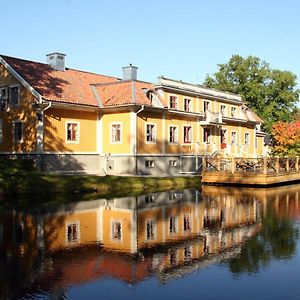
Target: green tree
[{"x": 271, "y": 93}]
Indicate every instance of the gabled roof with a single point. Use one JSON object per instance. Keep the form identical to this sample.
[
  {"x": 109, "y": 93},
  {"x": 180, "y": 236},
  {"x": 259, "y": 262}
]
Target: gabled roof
[
  {"x": 69, "y": 86},
  {"x": 123, "y": 92}
]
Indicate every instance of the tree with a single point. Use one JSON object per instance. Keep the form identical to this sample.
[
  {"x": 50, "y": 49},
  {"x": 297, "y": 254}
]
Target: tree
[
  {"x": 271, "y": 93},
  {"x": 286, "y": 138}
]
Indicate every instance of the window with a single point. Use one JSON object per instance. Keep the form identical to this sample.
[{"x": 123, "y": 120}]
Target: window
[
  {"x": 233, "y": 137},
  {"x": 14, "y": 95},
  {"x": 116, "y": 230},
  {"x": 173, "y": 135},
  {"x": 187, "y": 134},
  {"x": 18, "y": 131},
  {"x": 150, "y": 226},
  {"x": 115, "y": 133},
  {"x": 206, "y": 135},
  {"x": 186, "y": 223},
  {"x": 223, "y": 110},
  {"x": 172, "y": 163},
  {"x": 172, "y": 225},
  {"x": 223, "y": 136},
  {"x": 3, "y": 93},
  {"x": 72, "y": 132},
  {"x": 206, "y": 106},
  {"x": 233, "y": 112},
  {"x": 173, "y": 102},
  {"x": 149, "y": 199},
  {"x": 172, "y": 256},
  {"x": 150, "y": 133},
  {"x": 73, "y": 232},
  {"x": 247, "y": 139},
  {"x": 1, "y": 130},
  {"x": 149, "y": 164},
  {"x": 187, "y": 104}
]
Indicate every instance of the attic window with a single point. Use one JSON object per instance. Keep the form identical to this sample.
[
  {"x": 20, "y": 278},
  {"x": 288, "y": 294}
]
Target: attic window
[
  {"x": 60, "y": 57},
  {"x": 51, "y": 57}
]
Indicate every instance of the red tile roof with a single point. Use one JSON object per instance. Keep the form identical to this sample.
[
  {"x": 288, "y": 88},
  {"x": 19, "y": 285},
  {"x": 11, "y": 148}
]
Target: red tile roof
[
  {"x": 123, "y": 92},
  {"x": 69, "y": 86}
]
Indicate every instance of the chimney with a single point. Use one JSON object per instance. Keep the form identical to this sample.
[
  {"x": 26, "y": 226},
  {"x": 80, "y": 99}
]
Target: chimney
[
  {"x": 130, "y": 72},
  {"x": 57, "y": 61}
]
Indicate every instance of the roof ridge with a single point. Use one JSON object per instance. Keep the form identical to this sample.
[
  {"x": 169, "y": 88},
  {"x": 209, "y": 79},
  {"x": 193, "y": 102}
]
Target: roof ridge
[{"x": 120, "y": 82}]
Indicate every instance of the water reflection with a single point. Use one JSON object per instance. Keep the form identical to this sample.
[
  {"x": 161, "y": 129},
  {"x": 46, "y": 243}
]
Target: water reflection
[{"x": 167, "y": 235}]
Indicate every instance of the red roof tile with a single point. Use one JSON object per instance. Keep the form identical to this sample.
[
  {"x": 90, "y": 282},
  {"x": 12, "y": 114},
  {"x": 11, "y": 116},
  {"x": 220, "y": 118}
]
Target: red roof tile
[{"x": 69, "y": 86}]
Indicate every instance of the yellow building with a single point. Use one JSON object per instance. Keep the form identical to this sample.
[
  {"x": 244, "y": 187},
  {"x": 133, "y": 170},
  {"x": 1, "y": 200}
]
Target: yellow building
[{"x": 70, "y": 120}]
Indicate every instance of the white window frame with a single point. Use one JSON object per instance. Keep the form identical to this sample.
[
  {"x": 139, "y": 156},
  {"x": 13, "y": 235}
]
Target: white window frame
[
  {"x": 112, "y": 235},
  {"x": 233, "y": 112},
  {"x": 154, "y": 130},
  {"x": 208, "y": 106},
  {"x": 77, "y": 240},
  {"x": 22, "y": 134},
  {"x": 78, "y": 131},
  {"x": 247, "y": 144},
  {"x": 231, "y": 138},
  {"x": 190, "y": 106},
  {"x": 191, "y": 134},
  {"x": 149, "y": 163},
  {"x": 173, "y": 163},
  {"x": 110, "y": 133},
  {"x": 223, "y": 112},
  {"x": 169, "y": 104},
  {"x": 176, "y": 135},
  {"x": 1, "y": 130},
  {"x": 9, "y": 94},
  {"x": 154, "y": 230}
]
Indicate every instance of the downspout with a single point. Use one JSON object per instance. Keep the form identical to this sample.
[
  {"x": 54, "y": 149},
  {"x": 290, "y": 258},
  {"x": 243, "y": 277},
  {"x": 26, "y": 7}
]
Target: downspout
[{"x": 135, "y": 148}]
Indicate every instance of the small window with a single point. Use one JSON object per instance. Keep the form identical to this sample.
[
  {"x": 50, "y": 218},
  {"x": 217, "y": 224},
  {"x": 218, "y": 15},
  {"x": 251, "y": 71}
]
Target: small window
[
  {"x": 173, "y": 135},
  {"x": 206, "y": 135},
  {"x": 18, "y": 131},
  {"x": 73, "y": 232},
  {"x": 172, "y": 225},
  {"x": 187, "y": 134},
  {"x": 150, "y": 229},
  {"x": 14, "y": 95},
  {"x": 115, "y": 135},
  {"x": 149, "y": 164},
  {"x": 233, "y": 137},
  {"x": 223, "y": 110},
  {"x": 173, "y": 102},
  {"x": 150, "y": 133},
  {"x": 72, "y": 132},
  {"x": 186, "y": 223},
  {"x": 1, "y": 130},
  {"x": 116, "y": 230},
  {"x": 187, "y": 104},
  {"x": 172, "y": 163},
  {"x": 233, "y": 112},
  {"x": 247, "y": 139}
]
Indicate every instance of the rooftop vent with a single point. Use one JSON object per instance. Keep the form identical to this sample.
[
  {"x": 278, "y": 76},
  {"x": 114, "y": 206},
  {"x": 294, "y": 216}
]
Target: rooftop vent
[
  {"x": 57, "y": 61},
  {"x": 130, "y": 72}
]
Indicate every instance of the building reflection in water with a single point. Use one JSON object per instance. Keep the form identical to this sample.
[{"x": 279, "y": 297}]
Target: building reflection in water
[{"x": 165, "y": 234}]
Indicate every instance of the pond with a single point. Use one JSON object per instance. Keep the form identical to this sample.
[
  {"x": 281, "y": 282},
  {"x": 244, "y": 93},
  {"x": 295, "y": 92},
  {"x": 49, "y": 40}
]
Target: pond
[{"x": 213, "y": 243}]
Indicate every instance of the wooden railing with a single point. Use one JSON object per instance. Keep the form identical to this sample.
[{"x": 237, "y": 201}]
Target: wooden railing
[{"x": 266, "y": 165}]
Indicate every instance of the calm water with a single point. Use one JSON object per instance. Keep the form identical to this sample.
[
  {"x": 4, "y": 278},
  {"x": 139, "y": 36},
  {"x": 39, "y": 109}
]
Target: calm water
[{"x": 217, "y": 243}]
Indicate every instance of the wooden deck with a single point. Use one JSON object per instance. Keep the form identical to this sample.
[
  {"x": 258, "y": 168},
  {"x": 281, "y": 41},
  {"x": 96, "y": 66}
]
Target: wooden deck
[{"x": 250, "y": 171}]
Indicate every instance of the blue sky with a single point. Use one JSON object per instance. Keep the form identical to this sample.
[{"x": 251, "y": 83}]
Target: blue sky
[{"x": 183, "y": 39}]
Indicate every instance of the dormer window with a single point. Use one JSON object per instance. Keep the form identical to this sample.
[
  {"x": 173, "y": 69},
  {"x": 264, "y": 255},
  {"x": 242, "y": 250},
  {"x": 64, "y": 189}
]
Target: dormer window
[
  {"x": 14, "y": 95},
  {"x": 173, "y": 102}
]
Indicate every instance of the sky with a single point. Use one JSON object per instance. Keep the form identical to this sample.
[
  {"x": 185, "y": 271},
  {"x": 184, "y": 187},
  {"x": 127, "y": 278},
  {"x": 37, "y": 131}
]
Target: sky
[{"x": 183, "y": 40}]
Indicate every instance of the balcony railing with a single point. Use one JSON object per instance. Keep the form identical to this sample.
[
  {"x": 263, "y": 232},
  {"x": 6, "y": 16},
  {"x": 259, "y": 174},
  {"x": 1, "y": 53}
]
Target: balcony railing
[{"x": 212, "y": 118}]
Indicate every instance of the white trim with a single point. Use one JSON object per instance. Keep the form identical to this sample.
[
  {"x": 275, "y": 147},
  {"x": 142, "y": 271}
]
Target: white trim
[
  {"x": 177, "y": 133},
  {"x": 133, "y": 132},
  {"x": 177, "y": 101},
  {"x": 99, "y": 130},
  {"x": 191, "y": 104},
  {"x": 21, "y": 80},
  {"x": 78, "y": 131},
  {"x": 110, "y": 133},
  {"x": 145, "y": 130},
  {"x": 163, "y": 150}
]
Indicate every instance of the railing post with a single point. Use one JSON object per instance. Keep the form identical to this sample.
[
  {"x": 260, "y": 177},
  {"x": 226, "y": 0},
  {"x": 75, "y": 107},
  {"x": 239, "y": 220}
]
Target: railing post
[
  {"x": 233, "y": 165},
  {"x": 287, "y": 164},
  {"x": 204, "y": 164},
  {"x": 265, "y": 166},
  {"x": 277, "y": 164}
]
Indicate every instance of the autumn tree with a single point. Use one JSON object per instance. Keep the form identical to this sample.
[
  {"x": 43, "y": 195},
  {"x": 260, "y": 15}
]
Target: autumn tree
[
  {"x": 286, "y": 138},
  {"x": 271, "y": 93}
]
